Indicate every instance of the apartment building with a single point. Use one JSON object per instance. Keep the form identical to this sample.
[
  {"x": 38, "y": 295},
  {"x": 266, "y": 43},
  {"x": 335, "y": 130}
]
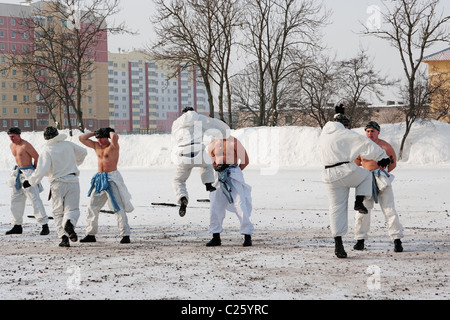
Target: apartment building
[
  {"x": 19, "y": 105},
  {"x": 144, "y": 96}
]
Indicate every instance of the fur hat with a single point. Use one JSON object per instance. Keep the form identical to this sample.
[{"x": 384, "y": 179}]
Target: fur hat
[{"x": 50, "y": 133}]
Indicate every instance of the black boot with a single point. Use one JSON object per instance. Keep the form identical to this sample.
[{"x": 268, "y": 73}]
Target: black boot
[
  {"x": 183, "y": 205},
  {"x": 398, "y": 245},
  {"x": 209, "y": 187},
  {"x": 125, "y": 239},
  {"x": 17, "y": 229},
  {"x": 215, "y": 241},
  {"x": 88, "y": 238},
  {"x": 247, "y": 240},
  {"x": 359, "y": 206},
  {"x": 359, "y": 245},
  {"x": 45, "y": 230},
  {"x": 64, "y": 242},
  {"x": 70, "y": 231},
  {"x": 339, "y": 248}
]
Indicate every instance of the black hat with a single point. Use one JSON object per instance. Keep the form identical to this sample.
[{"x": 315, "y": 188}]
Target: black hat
[
  {"x": 187, "y": 109},
  {"x": 374, "y": 125},
  {"x": 103, "y": 132},
  {"x": 14, "y": 130},
  {"x": 340, "y": 117},
  {"x": 50, "y": 133}
]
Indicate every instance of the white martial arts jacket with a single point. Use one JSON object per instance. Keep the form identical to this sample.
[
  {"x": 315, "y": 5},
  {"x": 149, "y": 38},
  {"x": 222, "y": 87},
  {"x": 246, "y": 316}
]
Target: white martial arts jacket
[
  {"x": 59, "y": 159},
  {"x": 338, "y": 144},
  {"x": 188, "y": 131}
]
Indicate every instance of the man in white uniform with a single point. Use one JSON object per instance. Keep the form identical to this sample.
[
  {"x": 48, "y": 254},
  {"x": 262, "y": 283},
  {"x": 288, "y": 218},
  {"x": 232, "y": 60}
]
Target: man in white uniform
[
  {"x": 59, "y": 161},
  {"x": 24, "y": 154},
  {"x": 383, "y": 193},
  {"x": 187, "y": 133},
  {"x": 339, "y": 147},
  {"x": 229, "y": 160}
]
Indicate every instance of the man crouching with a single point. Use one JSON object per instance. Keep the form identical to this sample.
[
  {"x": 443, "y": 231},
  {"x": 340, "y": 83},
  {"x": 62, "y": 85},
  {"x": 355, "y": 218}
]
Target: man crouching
[{"x": 108, "y": 184}]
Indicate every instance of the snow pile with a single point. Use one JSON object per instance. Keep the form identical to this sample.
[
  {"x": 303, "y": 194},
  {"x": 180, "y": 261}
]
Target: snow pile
[{"x": 269, "y": 148}]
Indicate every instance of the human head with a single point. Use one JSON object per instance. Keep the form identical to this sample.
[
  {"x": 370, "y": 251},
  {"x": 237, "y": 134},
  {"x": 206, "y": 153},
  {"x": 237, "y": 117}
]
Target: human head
[
  {"x": 186, "y": 109},
  {"x": 372, "y": 130},
  {"x": 14, "y": 130},
  {"x": 50, "y": 133},
  {"x": 101, "y": 133},
  {"x": 103, "y": 136},
  {"x": 374, "y": 125},
  {"x": 340, "y": 117},
  {"x": 14, "y": 134}
]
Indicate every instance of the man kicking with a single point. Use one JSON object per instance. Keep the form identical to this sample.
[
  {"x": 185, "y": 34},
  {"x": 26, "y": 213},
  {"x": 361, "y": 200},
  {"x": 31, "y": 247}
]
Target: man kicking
[{"x": 107, "y": 184}]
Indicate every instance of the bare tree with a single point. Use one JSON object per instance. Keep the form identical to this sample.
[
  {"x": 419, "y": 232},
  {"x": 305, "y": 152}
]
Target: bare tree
[
  {"x": 316, "y": 80},
  {"x": 412, "y": 26},
  {"x": 63, "y": 51},
  {"x": 357, "y": 79},
  {"x": 277, "y": 31},
  {"x": 228, "y": 19},
  {"x": 187, "y": 35}
]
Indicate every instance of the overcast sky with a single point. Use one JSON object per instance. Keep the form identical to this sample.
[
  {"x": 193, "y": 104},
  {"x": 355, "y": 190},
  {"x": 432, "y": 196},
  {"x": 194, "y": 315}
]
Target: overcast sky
[{"x": 341, "y": 36}]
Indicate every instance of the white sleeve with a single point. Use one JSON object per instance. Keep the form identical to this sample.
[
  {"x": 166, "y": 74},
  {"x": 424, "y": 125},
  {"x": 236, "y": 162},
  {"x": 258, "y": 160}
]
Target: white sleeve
[
  {"x": 214, "y": 127},
  {"x": 80, "y": 154},
  {"x": 43, "y": 169}
]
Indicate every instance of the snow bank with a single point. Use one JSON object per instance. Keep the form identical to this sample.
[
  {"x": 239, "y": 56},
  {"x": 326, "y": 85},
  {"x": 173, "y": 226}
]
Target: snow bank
[{"x": 269, "y": 148}]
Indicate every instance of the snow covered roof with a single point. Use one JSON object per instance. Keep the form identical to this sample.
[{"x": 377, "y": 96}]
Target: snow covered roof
[{"x": 438, "y": 56}]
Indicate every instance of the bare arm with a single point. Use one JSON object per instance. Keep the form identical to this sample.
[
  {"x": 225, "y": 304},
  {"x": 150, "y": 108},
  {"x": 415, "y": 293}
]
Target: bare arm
[
  {"x": 114, "y": 139},
  {"x": 241, "y": 154},
  {"x": 33, "y": 153},
  {"x": 85, "y": 139},
  {"x": 392, "y": 156}
]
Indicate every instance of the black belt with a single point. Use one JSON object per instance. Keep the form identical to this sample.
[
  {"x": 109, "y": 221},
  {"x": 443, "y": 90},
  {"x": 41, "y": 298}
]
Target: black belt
[
  {"x": 336, "y": 164},
  {"x": 223, "y": 166}
]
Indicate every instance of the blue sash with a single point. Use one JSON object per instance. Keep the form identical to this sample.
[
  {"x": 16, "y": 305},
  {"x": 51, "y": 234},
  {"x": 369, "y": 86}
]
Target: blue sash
[
  {"x": 225, "y": 182},
  {"x": 100, "y": 182},
  {"x": 18, "y": 183}
]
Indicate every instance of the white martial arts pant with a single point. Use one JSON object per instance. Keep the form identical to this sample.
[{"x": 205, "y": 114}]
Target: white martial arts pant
[
  {"x": 338, "y": 197},
  {"x": 19, "y": 198},
  {"x": 183, "y": 171},
  {"x": 96, "y": 203},
  {"x": 65, "y": 202},
  {"x": 387, "y": 205},
  {"x": 241, "y": 206}
]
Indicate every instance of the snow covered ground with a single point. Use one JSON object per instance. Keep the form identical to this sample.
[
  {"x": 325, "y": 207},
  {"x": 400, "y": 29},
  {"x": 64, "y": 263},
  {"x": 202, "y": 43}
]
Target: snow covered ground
[{"x": 292, "y": 257}]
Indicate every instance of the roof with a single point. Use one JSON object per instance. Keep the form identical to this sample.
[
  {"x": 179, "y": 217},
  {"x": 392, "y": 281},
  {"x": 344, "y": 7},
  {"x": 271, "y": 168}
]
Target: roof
[{"x": 443, "y": 55}]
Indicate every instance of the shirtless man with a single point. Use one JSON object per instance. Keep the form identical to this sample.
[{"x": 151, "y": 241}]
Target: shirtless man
[
  {"x": 108, "y": 184},
  {"x": 385, "y": 197},
  {"x": 25, "y": 154},
  {"x": 229, "y": 159}
]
